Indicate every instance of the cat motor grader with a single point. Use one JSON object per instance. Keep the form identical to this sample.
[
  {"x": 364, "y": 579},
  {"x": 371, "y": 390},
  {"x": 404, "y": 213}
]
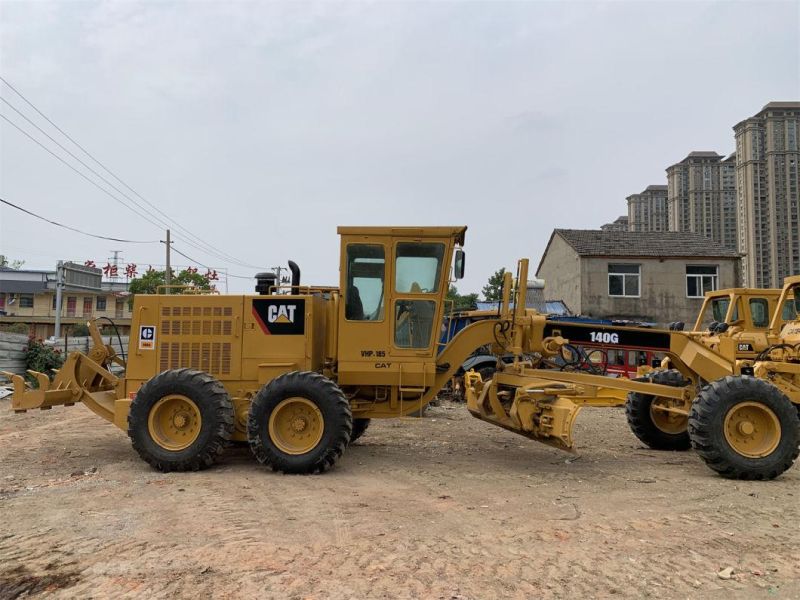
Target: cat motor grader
[
  {"x": 734, "y": 322},
  {"x": 299, "y": 375}
]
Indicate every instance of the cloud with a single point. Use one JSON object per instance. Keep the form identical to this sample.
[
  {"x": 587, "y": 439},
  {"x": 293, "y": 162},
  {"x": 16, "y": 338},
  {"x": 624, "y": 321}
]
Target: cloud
[{"x": 261, "y": 126}]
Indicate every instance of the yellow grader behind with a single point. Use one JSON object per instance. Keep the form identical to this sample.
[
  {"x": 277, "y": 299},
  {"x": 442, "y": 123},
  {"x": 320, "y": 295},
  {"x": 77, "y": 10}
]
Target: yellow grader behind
[{"x": 298, "y": 372}]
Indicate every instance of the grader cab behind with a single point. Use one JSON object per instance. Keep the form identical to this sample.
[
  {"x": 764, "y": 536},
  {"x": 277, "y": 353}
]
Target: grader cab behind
[{"x": 299, "y": 375}]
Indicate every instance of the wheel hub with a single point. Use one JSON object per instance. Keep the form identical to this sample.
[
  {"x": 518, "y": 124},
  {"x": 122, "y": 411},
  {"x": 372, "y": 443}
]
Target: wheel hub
[
  {"x": 752, "y": 429},
  {"x": 664, "y": 417},
  {"x": 296, "y": 425},
  {"x": 174, "y": 422}
]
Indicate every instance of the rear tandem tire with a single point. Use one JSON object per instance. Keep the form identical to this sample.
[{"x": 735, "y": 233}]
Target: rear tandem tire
[
  {"x": 181, "y": 420},
  {"x": 672, "y": 433},
  {"x": 745, "y": 428},
  {"x": 300, "y": 422},
  {"x": 359, "y": 427}
]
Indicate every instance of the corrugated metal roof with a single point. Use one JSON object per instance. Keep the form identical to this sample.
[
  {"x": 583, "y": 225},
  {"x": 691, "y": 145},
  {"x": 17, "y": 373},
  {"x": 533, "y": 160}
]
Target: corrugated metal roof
[{"x": 22, "y": 287}]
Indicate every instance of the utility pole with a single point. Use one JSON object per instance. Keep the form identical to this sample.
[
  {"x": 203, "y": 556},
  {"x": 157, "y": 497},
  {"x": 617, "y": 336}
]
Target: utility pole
[
  {"x": 277, "y": 271},
  {"x": 115, "y": 260},
  {"x": 59, "y": 294},
  {"x": 168, "y": 274}
]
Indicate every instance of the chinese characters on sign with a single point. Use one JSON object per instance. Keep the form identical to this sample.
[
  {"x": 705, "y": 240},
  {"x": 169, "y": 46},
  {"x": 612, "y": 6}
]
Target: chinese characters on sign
[{"x": 131, "y": 270}]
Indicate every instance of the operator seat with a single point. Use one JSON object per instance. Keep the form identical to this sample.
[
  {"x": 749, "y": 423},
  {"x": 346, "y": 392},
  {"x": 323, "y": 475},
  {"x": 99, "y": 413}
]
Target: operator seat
[{"x": 353, "y": 307}]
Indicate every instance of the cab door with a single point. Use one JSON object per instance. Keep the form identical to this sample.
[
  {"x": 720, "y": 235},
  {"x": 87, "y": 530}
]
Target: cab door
[
  {"x": 391, "y": 310},
  {"x": 364, "y": 328},
  {"x": 419, "y": 277}
]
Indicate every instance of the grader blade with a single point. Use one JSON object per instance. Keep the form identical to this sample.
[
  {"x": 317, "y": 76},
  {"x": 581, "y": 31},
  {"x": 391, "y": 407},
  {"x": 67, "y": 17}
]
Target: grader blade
[
  {"x": 548, "y": 421},
  {"x": 538, "y": 412}
]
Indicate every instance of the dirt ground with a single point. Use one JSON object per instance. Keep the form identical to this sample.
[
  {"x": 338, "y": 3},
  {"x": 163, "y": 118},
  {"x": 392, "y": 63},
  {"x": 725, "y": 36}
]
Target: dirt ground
[{"x": 441, "y": 507}]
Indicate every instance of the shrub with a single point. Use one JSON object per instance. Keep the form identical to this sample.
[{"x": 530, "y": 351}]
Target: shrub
[
  {"x": 39, "y": 357},
  {"x": 80, "y": 330},
  {"x": 16, "y": 328}
]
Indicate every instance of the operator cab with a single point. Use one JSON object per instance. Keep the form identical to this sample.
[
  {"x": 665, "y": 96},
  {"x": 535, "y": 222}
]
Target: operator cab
[
  {"x": 745, "y": 309},
  {"x": 393, "y": 283}
]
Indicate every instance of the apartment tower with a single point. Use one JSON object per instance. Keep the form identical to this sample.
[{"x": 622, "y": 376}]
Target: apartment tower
[
  {"x": 648, "y": 211},
  {"x": 767, "y": 180},
  {"x": 701, "y": 197}
]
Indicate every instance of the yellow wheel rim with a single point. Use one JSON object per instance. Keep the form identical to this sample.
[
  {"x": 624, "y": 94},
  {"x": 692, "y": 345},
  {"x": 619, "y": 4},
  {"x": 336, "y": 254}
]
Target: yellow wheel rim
[
  {"x": 752, "y": 429},
  {"x": 174, "y": 422},
  {"x": 666, "y": 420},
  {"x": 296, "y": 425}
]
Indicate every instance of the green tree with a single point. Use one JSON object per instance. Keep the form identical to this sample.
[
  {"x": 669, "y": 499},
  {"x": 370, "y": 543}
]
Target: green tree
[
  {"x": 459, "y": 301},
  {"x": 493, "y": 290},
  {"x": 11, "y": 264},
  {"x": 149, "y": 282},
  {"x": 80, "y": 330}
]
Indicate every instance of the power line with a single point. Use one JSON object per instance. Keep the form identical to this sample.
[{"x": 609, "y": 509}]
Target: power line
[
  {"x": 94, "y": 183},
  {"x": 197, "y": 262},
  {"x": 208, "y": 248},
  {"x": 101, "y": 237},
  {"x": 160, "y": 223},
  {"x": 43, "y": 132},
  {"x": 113, "y": 239}
]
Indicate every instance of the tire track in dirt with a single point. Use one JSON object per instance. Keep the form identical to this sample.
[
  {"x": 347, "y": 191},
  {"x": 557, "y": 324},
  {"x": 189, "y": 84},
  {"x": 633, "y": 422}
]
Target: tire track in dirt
[{"x": 436, "y": 509}]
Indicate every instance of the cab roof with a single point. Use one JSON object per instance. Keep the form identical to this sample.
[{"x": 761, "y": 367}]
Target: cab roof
[{"x": 457, "y": 232}]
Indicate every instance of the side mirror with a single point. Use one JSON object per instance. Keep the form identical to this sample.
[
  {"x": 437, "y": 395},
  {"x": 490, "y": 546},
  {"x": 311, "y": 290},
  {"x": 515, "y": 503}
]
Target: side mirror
[{"x": 458, "y": 267}]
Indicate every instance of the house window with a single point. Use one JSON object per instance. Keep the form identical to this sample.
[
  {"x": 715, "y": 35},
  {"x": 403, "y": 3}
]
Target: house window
[
  {"x": 26, "y": 300},
  {"x": 101, "y": 303},
  {"x": 54, "y": 301},
  {"x": 623, "y": 280},
  {"x": 700, "y": 279}
]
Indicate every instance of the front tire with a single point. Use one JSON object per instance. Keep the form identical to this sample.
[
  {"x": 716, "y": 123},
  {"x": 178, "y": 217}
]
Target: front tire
[
  {"x": 181, "y": 420},
  {"x": 300, "y": 422},
  {"x": 745, "y": 428},
  {"x": 657, "y": 429}
]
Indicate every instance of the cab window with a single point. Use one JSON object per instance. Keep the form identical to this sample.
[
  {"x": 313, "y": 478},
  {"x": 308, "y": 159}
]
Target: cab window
[
  {"x": 759, "y": 312},
  {"x": 413, "y": 323},
  {"x": 719, "y": 307},
  {"x": 418, "y": 267},
  {"x": 366, "y": 267},
  {"x": 790, "y": 309}
]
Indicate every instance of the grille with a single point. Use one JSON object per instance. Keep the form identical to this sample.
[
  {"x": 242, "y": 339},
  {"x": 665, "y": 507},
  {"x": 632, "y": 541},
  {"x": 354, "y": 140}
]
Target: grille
[{"x": 178, "y": 349}]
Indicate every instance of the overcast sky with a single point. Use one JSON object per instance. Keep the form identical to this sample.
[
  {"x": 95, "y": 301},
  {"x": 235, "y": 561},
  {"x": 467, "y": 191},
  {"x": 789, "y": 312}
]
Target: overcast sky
[{"x": 261, "y": 127}]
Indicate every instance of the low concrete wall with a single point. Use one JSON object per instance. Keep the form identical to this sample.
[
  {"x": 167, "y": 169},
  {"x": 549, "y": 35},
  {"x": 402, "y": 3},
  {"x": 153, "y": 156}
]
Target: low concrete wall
[
  {"x": 84, "y": 343},
  {"x": 12, "y": 351},
  {"x": 12, "y": 348}
]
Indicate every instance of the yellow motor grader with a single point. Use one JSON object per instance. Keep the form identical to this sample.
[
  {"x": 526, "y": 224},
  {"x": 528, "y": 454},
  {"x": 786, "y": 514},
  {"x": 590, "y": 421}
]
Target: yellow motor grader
[
  {"x": 299, "y": 371},
  {"x": 736, "y": 324}
]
